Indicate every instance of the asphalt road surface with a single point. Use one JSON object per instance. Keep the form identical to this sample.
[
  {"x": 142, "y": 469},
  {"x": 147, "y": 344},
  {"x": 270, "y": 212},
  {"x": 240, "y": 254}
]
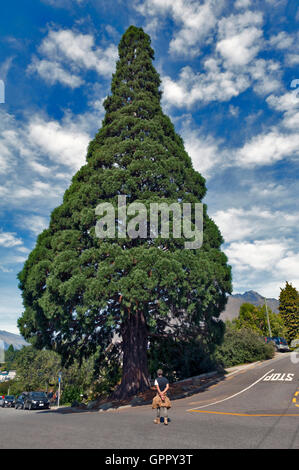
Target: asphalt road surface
[{"x": 256, "y": 407}]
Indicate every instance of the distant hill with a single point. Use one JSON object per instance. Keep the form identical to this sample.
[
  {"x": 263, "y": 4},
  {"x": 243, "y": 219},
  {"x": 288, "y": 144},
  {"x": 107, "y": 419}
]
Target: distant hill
[
  {"x": 10, "y": 338},
  {"x": 235, "y": 301}
]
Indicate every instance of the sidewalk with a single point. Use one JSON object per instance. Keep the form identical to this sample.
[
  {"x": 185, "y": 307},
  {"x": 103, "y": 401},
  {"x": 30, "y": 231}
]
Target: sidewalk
[{"x": 234, "y": 369}]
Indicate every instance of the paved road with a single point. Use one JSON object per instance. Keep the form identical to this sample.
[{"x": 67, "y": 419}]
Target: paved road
[{"x": 256, "y": 407}]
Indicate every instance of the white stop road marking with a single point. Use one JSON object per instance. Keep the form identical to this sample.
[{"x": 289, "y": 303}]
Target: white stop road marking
[{"x": 279, "y": 377}]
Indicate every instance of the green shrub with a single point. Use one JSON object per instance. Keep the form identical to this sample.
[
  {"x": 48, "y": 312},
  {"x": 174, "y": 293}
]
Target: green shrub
[
  {"x": 70, "y": 394},
  {"x": 179, "y": 359},
  {"x": 4, "y": 388},
  {"x": 242, "y": 346}
]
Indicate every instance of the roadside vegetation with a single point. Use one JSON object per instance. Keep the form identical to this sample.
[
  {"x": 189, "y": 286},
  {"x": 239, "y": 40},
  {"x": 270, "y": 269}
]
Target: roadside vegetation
[
  {"x": 243, "y": 340},
  {"x": 241, "y": 346},
  {"x": 289, "y": 311},
  {"x": 180, "y": 356}
]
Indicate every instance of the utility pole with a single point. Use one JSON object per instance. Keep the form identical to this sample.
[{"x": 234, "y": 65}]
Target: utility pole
[{"x": 269, "y": 327}]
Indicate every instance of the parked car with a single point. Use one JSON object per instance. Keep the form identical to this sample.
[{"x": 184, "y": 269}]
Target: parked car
[
  {"x": 20, "y": 401},
  {"x": 8, "y": 401},
  {"x": 279, "y": 343},
  {"x": 36, "y": 400}
]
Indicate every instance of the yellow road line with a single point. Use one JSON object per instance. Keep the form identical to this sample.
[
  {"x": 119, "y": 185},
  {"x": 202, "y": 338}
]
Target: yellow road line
[
  {"x": 243, "y": 414},
  {"x": 295, "y": 399}
]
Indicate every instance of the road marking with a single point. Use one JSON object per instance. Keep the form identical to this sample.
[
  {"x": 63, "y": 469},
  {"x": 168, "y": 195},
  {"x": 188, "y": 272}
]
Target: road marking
[
  {"x": 242, "y": 414},
  {"x": 295, "y": 399},
  {"x": 279, "y": 377},
  {"x": 236, "y": 394}
]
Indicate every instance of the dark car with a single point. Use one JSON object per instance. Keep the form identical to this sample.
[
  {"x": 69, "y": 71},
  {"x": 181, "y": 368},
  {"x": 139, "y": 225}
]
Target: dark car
[
  {"x": 279, "y": 343},
  {"x": 8, "y": 401},
  {"x": 36, "y": 400},
  {"x": 20, "y": 401}
]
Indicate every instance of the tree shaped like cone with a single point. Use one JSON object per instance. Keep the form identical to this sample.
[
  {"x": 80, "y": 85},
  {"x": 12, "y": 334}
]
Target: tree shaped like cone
[
  {"x": 289, "y": 310},
  {"x": 79, "y": 290}
]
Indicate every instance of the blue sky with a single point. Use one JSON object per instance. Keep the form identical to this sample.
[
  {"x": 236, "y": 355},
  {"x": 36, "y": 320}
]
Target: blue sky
[{"x": 230, "y": 81}]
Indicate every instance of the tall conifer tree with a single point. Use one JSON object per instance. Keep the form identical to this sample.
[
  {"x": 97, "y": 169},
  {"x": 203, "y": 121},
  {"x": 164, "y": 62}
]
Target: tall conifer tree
[
  {"x": 289, "y": 310},
  {"x": 79, "y": 290}
]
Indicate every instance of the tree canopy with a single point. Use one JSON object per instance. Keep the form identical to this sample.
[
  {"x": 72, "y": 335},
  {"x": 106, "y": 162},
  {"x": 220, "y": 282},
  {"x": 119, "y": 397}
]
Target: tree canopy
[
  {"x": 79, "y": 291},
  {"x": 289, "y": 310},
  {"x": 255, "y": 318}
]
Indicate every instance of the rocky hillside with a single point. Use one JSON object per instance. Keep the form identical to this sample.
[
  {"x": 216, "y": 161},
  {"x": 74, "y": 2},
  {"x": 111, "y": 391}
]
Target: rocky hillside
[
  {"x": 10, "y": 338},
  {"x": 235, "y": 301}
]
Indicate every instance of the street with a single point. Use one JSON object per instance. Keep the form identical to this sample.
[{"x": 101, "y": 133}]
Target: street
[{"x": 254, "y": 407}]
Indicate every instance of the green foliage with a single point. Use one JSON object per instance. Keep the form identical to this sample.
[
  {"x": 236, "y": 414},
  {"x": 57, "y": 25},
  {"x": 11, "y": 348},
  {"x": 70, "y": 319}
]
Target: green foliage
[
  {"x": 109, "y": 378},
  {"x": 10, "y": 355},
  {"x": 4, "y": 386},
  {"x": 255, "y": 318},
  {"x": 289, "y": 311},
  {"x": 242, "y": 346},
  {"x": 38, "y": 370},
  {"x": 79, "y": 290},
  {"x": 180, "y": 359},
  {"x": 71, "y": 393}
]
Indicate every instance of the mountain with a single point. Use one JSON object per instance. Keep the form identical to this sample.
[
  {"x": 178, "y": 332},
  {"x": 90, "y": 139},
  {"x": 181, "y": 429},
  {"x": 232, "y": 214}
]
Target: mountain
[
  {"x": 10, "y": 338},
  {"x": 235, "y": 301}
]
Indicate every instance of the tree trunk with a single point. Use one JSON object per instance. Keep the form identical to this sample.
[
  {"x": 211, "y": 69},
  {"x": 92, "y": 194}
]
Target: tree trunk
[{"x": 135, "y": 377}]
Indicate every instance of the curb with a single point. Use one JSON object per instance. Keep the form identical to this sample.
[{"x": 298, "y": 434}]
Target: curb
[{"x": 177, "y": 397}]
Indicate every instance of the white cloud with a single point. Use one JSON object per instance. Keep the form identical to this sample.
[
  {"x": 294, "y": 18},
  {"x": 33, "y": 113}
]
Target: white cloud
[
  {"x": 231, "y": 68},
  {"x": 292, "y": 59},
  {"x": 268, "y": 148},
  {"x": 39, "y": 155},
  {"x": 10, "y": 308},
  {"x": 287, "y": 43},
  {"x": 53, "y": 72},
  {"x": 191, "y": 88},
  {"x": 61, "y": 144},
  {"x": 203, "y": 149},
  {"x": 242, "y": 4},
  {"x": 288, "y": 104},
  {"x": 263, "y": 266},
  {"x": 241, "y": 48},
  {"x": 234, "y": 110},
  {"x": 67, "y": 54},
  {"x": 278, "y": 142},
  {"x": 288, "y": 267},
  {"x": 39, "y": 168},
  {"x": 238, "y": 223},
  {"x": 261, "y": 246},
  {"x": 63, "y": 3},
  {"x": 282, "y": 40},
  {"x": 9, "y": 142},
  {"x": 266, "y": 76},
  {"x": 196, "y": 21},
  {"x": 35, "y": 223},
  {"x": 260, "y": 255},
  {"x": 239, "y": 38},
  {"x": 9, "y": 240}
]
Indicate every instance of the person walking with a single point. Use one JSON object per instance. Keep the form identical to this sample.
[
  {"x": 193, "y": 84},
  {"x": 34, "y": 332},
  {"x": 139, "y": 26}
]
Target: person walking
[{"x": 161, "y": 399}]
